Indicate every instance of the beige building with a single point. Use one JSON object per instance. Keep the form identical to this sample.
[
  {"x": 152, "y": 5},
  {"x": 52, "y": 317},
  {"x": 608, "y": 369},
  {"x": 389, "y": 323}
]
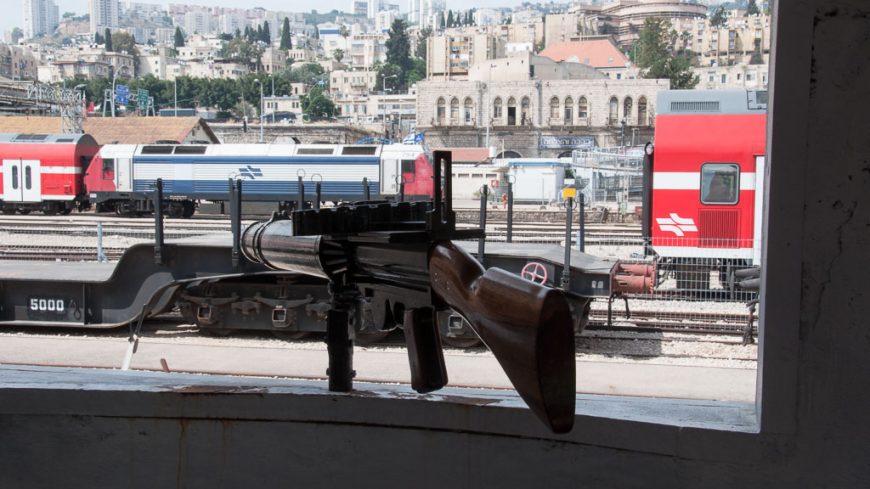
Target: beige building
[
  {"x": 623, "y": 19},
  {"x": 288, "y": 103},
  {"x": 17, "y": 63},
  {"x": 451, "y": 54},
  {"x": 524, "y": 66},
  {"x": 739, "y": 76},
  {"x": 569, "y": 26},
  {"x": 350, "y": 83},
  {"x": 552, "y": 104},
  {"x": 735, "y": 42},
  {"x": 274, "y": 60},
  {"x": 303, "y": 55}
]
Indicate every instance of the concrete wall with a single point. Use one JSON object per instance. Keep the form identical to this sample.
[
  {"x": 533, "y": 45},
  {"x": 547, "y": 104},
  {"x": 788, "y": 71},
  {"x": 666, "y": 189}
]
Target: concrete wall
[{"x": 809, "y": 427}]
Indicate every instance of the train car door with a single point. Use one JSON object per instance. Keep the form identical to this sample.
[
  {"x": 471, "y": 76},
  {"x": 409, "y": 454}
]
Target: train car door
[
  {"x": 22, "y": 181},
  {"x": 758, "y": 211},
  {"x": 389, "y": 175},
  {"x": 123, "y": 178}
]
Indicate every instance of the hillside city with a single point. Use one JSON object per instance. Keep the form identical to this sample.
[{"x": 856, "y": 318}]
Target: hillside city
[{"x": 535, "y": 80}]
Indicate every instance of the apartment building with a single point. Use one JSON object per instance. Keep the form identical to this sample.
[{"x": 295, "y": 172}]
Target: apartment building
[
  {"x": 452, "y": 53},
  {"x": 104, "y": 14},
  {"x": 40, "y": 17}
]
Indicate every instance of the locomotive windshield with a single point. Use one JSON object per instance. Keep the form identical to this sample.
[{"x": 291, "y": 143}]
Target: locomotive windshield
[{"x": 720, "y": 183}]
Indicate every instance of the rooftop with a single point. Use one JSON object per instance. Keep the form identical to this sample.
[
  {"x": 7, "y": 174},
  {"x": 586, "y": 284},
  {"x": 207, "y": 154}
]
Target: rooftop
[{"x": 598, "y": 53}]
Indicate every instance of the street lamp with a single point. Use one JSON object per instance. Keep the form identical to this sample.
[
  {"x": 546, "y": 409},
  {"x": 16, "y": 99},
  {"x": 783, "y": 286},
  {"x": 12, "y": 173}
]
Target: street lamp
[
  {"x": 175, "y": 92},
  {"x": 81, "y": 87},
  {"x": 114, "y": 78},
  {"x": 273, "y": 98},
  {"x": 262, "y": 105},
  {"x": 383, "y": 99}
]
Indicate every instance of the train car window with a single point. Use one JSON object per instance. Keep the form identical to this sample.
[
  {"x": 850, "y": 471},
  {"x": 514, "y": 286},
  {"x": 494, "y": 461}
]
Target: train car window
[
  {"x": 108, "y": 168},
  {"x": 190, "y": 150},
  {"x": 314, "y": 151},
  {"x": 64, "y": 140},
  {"x": 14, "y": 178},
  {"x": 407, "y": 166},
  {"x": 31, "y": 137},
  {"x": 359, "y": 150},
  {"x": 28, "y": 183},
  {"x": 720, "y": 183},
  {"x": 157, "y": 150}
]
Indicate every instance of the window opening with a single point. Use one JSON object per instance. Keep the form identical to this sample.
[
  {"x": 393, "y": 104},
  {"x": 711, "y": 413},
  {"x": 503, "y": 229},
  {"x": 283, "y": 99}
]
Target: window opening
[{"x": 720, "y": 183}]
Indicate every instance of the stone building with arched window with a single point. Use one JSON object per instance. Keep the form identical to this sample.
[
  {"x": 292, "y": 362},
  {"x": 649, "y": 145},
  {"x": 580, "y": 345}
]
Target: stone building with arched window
[{"x": 520, "y": 114}]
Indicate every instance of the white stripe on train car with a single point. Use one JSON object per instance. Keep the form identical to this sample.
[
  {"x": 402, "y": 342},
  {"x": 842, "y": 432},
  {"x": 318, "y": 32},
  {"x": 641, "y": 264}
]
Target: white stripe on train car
[
  {"x": 692, "y": 252},
  {"x": 66, "y": 170},
  {"x": 692, "y": 181}
]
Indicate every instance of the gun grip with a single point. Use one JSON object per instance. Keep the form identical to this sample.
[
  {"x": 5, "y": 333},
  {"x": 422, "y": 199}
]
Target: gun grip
[
  {"x": 527, "y": 326},
  {"x": 428, "y": 371}
]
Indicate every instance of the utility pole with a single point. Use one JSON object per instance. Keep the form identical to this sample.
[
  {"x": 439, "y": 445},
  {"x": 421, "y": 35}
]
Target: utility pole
[
  {"x": 262, "y": 102},
  {"x": 273, "y": 99}
]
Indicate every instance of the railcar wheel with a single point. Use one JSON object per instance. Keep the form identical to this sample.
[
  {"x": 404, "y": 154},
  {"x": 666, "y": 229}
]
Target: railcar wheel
[
  {"x": 461, "y": 341},
  {"x": 188, "y": 209},
  {"x": 290, "y": 335},
  {"x": 65, "y": 211},
  {"x": 175, "y": 210},
  {"x": 8, "y": 210},
  {"x": 23, "y": 211}
]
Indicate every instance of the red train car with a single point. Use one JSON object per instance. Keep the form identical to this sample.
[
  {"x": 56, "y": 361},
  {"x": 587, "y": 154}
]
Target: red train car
[
  {"x": 42, "y": 172},
  {"x": 707, "y": 175}
]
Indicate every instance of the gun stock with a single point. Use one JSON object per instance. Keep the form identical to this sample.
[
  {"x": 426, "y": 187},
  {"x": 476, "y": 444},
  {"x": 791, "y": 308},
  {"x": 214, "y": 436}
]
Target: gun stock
[{"x": 527, "y": 327}]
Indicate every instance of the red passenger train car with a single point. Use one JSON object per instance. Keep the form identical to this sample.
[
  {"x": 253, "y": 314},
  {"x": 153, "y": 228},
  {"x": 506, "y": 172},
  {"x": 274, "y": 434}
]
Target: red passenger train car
[
  {"x": 707, "y": 177},
  {"x": 43, "y": 172}
]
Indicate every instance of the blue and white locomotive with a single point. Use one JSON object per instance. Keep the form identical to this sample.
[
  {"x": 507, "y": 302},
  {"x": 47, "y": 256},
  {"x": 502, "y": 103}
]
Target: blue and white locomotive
[{"x": 122, "y": 177}]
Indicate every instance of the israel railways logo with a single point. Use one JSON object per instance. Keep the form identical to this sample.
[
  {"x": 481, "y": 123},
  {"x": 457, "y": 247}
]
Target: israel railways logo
[
  {"x": 677, "y": 225},
  {"x": 250, "y": 172}
]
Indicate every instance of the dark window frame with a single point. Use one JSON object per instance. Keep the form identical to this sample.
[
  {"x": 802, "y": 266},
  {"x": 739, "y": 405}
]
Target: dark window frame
[{"x": 717, "y": 167}]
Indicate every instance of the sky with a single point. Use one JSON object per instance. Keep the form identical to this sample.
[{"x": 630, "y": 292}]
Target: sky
[{"x": 81, "y": 6}]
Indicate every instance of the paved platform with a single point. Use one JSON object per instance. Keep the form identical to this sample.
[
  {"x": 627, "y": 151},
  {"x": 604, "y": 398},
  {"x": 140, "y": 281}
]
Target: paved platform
[{"x": 310, "y": 362}]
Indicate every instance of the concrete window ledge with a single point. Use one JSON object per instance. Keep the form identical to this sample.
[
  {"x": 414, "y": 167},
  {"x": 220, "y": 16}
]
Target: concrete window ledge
[{"x": 666, "y": 427}]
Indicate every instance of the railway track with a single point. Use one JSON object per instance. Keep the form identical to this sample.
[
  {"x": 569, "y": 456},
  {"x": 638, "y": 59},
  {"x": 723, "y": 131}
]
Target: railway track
[{"x": 674, "y": 321}]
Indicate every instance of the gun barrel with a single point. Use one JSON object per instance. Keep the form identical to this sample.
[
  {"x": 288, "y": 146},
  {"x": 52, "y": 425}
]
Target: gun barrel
[{"x": 273, "y": 245}]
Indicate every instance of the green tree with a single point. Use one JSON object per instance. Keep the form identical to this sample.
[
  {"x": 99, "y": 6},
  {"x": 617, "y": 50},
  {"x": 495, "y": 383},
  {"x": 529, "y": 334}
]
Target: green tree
[
  {"x": 317, "y": 105},
  {"x": 656, "y": 58},
  {"x": 756, "y": 58},
  {"x": 422, "y": 43},
  {"x": 752, "y": 8},
  {"x": 243, "y": 51},
  {"x": 450, "y": 18},
  {"x": 418, "y": 71},
  {"x": 338, "y": 54},
  {"x": 108, "y": 38},
  {"x": 308, "y": 73},
  {"x": 719, "y": 17},
  {"x": 286, "y": 39},
  {"x": 178, "y": 38},
  {"x": 124, "y": 42},
  {"x": 98, "y": 38},
  {"x": 267, "y": 33},
  {"x": 399, "y": 52}
]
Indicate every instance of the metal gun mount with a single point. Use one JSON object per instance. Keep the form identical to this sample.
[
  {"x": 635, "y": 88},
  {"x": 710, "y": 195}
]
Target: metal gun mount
[{"x": 393, "y": 264}]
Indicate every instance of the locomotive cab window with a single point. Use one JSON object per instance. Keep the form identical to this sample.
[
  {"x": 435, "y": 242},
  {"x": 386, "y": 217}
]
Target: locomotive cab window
[
  {"x": 720, "y": 183},
  {"x": 108, "y": 168}
]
